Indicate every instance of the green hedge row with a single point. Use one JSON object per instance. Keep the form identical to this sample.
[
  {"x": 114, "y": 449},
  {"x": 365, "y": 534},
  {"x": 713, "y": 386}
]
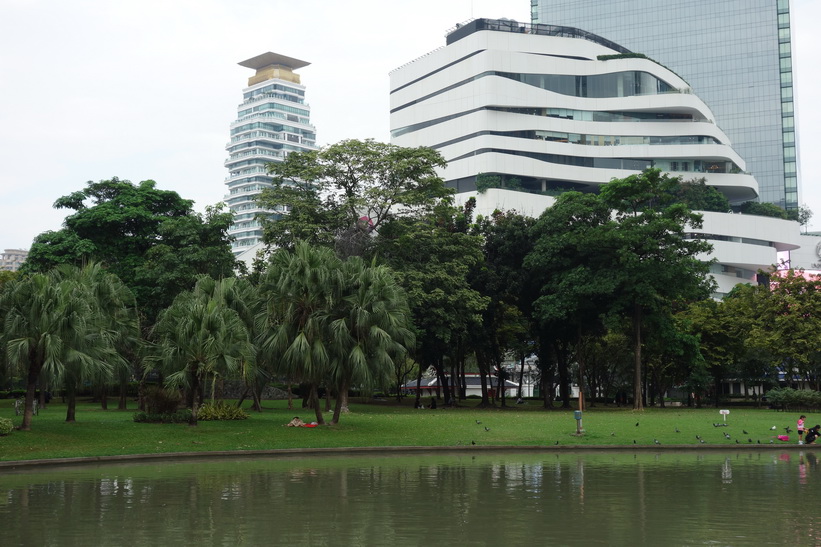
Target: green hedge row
[{"x": 786, "y": 398}]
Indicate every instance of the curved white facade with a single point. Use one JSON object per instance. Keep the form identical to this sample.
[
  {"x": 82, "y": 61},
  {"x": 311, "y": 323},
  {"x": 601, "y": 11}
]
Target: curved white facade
[
  {"x": 536, "y": 103},
  {"x": 545, "y": 110}
]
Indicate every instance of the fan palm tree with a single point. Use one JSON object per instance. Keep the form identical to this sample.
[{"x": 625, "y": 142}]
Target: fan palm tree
[
  {"x": 370, "y": 329},
  {"x": 333, "y": 322},
  {"x": 200, "y": 337},
  {"x": 300, "y": 289},
  {"x": 115, "y": 331},
  {"x": 53, "y": 322}
]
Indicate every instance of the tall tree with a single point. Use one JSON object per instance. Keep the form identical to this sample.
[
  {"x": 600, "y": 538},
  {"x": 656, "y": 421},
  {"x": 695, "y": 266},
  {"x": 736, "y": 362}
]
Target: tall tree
[
  {"x": 570, "y": 265},
  {"x": 338, "y": 195},
  {"x": 433, "y": 261},
  {"x": 506, "y": 241},
  {"x": 657, "y": 261},
  {"x": 300, "y": 290},
  {"x": 370, "y": 329}
]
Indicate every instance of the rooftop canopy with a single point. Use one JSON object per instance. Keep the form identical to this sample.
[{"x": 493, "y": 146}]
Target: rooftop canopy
[{"x": 273, "y": 59}]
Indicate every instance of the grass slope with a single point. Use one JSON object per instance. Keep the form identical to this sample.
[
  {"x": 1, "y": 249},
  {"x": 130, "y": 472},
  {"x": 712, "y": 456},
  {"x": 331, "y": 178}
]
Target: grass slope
[{"x": 105, "y": 433}]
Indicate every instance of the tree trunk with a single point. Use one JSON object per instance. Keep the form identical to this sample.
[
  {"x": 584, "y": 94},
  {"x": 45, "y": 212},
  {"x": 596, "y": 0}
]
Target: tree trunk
[
  {"x": 43, "y": 385},
  {"x": 638, "y": 404},
  {"x": 71, "y": 393},
  {"x": 483, "y": 379},
  {"x": 343, "y": 396},
  {"x": 418, "y": 387},
  {"x": 340, "y": 405},
  {"x": 564, "y": 375},
  {"x": 122, "y": 404},
  {"x": 521, "y": 375},
  {"x": 104, "y": 397},
  {"x": 314, "y": 400},
  {"x": 257, "y": 397},
  {"x": 290, "y": 398},
  {"x": 31, "y": 388},
  {"x": 195, "y": 398},
  {"x": 580, "y": 359}
]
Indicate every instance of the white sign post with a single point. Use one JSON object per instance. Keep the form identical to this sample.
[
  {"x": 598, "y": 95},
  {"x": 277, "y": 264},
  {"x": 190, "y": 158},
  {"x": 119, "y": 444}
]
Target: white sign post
[{"x": 724, "y": 413}]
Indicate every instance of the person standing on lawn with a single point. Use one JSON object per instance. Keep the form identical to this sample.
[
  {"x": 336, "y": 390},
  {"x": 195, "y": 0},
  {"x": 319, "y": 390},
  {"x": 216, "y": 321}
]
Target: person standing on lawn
[{"x": 800, "y": 429}]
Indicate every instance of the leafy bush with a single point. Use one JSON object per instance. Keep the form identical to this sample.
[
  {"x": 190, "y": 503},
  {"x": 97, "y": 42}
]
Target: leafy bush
[
  {"x": 221, "y": 410},
  {"x": 787, "y": 398},
  {"x": 159, "y": 400},
  {"x": 763, "y": 210},
  {"x": 6, "y": 426},
  {"x": 177, "y": 417}
]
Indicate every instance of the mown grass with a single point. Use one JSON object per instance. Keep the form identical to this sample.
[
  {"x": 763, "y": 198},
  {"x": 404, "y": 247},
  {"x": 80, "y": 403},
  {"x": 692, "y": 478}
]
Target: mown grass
[{"x": 385, "y": 423}]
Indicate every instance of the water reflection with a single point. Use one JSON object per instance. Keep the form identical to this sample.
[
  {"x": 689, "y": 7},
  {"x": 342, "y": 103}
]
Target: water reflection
[{"x": 589, "y": 498}]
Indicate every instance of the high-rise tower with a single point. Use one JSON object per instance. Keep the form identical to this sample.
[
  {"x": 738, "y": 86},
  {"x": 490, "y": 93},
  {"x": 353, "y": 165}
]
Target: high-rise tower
[
  {"x": 736, "y": 55},
  {"x": 272, "y": 121}
]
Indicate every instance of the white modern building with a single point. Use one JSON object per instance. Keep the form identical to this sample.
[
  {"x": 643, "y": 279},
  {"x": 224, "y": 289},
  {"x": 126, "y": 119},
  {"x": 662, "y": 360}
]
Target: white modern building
[
  {"x": 554, "y": 108},
  {"x": 272, "y": 121}
]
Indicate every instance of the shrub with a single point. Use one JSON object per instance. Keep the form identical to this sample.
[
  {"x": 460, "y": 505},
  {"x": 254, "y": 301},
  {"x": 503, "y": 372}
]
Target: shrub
[
  {"x": 221, "y": 410},
  {"x": 787, "y": 398},
  {"x": 159, "y": 400},
  {"x": 177, "y": 417},
  {"x": 6, "y": 426}
]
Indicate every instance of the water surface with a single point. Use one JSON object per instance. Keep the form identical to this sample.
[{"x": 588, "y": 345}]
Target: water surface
[{"x": 585, "y": 498}]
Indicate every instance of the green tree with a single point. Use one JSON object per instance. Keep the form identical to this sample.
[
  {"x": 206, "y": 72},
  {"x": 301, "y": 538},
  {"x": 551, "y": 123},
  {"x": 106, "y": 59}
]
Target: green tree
[
  {"x": 433, "y": 261},
  {"x": 149, "y": 238},
  {"x": 501, "y": 278},
  {"x": 199, "y": 337},
  {"x": 764, "y": 210},
  {"x": 337, "y": 196},
  {"x": 299, "y": 288},
  {"x": 700, "y": 197},
  {"x": 61, "y": 321},
  {"x": 656, "y": 261},
  {"x": 570, "y": 266},
  {"x": 185, "y": 248},
  {"x": 789, "y": 321},
  {"x": 370, "y": 329},
  {"x": 116, "y": 331}
]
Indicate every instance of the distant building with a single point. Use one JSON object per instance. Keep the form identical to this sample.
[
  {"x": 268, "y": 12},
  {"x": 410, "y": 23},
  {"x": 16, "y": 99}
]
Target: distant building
[
  {"x": 736, "y": 55},
  {"x": 12, "y": 259},
  {"x": 272, "y": 121}
]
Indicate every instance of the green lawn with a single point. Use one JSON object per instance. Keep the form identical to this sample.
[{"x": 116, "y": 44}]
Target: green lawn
[{"x": 112, "y": 432}]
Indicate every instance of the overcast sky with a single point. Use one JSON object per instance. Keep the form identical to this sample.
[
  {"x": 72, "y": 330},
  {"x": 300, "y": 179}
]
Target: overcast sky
[{"x": 146, "y": 89}]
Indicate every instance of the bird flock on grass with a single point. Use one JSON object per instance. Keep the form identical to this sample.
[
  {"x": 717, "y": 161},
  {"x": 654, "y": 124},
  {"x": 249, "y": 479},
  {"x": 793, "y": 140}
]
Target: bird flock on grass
[{"x": 699, "y": 438}]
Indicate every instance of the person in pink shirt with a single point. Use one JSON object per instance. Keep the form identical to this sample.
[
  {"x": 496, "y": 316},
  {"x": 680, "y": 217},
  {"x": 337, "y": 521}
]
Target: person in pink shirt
[{"x": 800, "y": 428}]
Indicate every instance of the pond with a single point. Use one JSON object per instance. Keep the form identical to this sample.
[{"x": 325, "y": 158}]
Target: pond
[{"x": 562, "y": 498}]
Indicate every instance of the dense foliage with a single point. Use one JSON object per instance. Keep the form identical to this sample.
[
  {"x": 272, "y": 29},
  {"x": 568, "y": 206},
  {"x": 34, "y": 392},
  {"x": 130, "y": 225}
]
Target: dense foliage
[{"x": 374, "y": 273}]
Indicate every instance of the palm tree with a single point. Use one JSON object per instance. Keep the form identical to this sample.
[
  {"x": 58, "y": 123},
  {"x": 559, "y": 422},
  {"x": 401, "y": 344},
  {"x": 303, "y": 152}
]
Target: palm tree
[
  {"x": 370, "y": 329},
  {"x": 115, "y": 331},
  {"x": 200, "y": 337},
  {"x": 53, "y": 322},
  {"x": 333, "y": 322},
  {"x": 300, "y": 289}
]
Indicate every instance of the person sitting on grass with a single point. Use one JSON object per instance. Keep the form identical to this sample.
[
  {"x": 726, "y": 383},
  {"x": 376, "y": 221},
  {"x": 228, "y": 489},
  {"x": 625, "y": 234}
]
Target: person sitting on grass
[{"x": 812, "y": 434}]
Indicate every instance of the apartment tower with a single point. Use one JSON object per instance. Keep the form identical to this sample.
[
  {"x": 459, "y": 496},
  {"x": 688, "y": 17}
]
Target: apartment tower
[{"x": 272, "y": 121}]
